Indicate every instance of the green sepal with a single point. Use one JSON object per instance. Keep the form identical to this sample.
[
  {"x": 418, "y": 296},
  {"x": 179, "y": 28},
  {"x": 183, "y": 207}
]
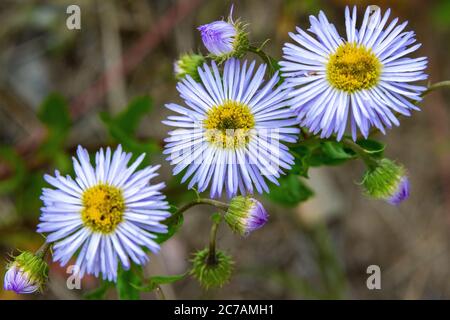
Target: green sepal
[
  {"x": 211, "y": 275},
  {"x": 382, "y": 181},
  {"x": 238, "y": 212},
  {"x": 33, "y": 266},
  {"x": 188, "y": 64},
  {"x": 241, "y": 43}
]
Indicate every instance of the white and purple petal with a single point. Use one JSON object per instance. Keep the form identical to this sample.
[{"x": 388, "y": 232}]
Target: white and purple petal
[{"x": 315, "y": 101}]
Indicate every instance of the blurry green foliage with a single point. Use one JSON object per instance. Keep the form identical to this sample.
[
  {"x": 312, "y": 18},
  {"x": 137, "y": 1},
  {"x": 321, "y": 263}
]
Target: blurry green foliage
[
  {"x": 332, "y": 273},
  {"x": 332, "y": 284},
  {"x": 27, "y": 197},
  {"x": 100, "y": 292},
  {"x": 122, "y": 127},
  {"x": 128, "y": 281},
  {"x": 25, "y": 183},
  {"x": 295, "y": 7},
  {"x": 440, "y": 14},
  {"x": 54, "y": 114},
  {"x": 16, "y": 164}
]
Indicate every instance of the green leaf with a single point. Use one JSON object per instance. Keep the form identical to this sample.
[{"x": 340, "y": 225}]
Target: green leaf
[
  {"x": 156, "y": 281},
  {"x": 9, "y": 156},
  {"x": 98, "y": 293},
  {"x": 27, "y": 197},
  {"x": 54, "y": 113},
  {"x": 127, "y": 281},
  {"x": 440, "y": 13},
  {"x": 122, "y": 128},
  {"x": 290, "y": 192},
  {"x": 335, "y": 150},
  {"x": 174, "y": 222},
  {"x": 301, "y": 161},
  {"x": 374, "y": 147},
  {"x": 130, "y": 143},
  {"x": 62, "y": 161},
  {"x": 329, "y": 153},
  {"x": 129, "y": 119}
]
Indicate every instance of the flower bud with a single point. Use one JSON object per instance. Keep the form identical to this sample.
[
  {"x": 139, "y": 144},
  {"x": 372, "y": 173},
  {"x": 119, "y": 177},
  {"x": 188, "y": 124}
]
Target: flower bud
[
  {"x": 245, "y": 215},
  {"x": 225, "y": 39},
  {"x": 188, "y": 64},
  {"x": 387, "y": 181},
  {"x": 26, "y": 274},
  {"x": 212, "y": 271}
]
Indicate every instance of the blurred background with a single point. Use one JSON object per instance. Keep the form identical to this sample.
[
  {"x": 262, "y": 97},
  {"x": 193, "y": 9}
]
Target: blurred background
[{"x": 60, "y": 88}]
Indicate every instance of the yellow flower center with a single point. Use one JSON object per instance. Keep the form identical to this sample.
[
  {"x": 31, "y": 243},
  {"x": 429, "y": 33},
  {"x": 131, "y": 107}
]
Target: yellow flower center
[
  {"x": 228, "y": 125},
  {"x": 103, "y": 207},
  {"x": 353, "y": 67}
]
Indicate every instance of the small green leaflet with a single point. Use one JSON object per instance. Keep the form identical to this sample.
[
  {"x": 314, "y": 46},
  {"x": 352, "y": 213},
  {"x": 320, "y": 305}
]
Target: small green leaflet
[{"x": 156, "y": 281}]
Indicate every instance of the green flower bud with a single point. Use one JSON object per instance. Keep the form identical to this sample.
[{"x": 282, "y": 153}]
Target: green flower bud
[
  {"x": 27, "y": 273},
  {"x": 188, "y": 64},
  {"x": 212, "y": 271},
  {"x": 387, "y": 181},
  {"x": 245, "y": 215}
]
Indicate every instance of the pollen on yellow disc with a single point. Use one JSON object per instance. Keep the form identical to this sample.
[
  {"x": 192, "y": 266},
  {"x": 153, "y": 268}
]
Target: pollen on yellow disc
[
  {"x": 228, "y": 125},
  {"x": 353, "y": 67},
  {"x": 103, "y": 208}
]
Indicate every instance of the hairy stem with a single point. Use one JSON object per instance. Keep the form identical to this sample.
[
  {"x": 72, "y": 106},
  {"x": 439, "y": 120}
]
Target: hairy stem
[
  {"x": 271, "y": 62},
  {"x": 42, "y": 251},
  {"x": 211, "y": 259},
  {"x": 437, "y": 85},
  {"x": 370, "y": 162},
  {"x": 214, "y": 203}
]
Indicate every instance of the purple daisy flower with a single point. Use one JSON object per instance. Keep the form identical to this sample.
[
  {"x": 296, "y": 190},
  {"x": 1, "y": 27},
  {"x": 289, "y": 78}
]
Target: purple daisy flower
[
  {"x": 230, "y": 133},
  {"x": 364, "y": 79},
  {"x": 109, "y": 213}
]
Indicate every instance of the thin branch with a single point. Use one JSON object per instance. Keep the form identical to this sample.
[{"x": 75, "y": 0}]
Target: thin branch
[
  {"x": 214, "y": 203},
  {"x": 437, "y": 85}
]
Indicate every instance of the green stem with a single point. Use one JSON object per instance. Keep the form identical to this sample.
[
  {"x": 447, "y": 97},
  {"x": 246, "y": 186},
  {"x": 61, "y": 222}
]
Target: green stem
[
  {"x": 214, "y": 203},
  {"x": 370, "y": 162},
  {"x": 211, "y": 259},
  {"x": 265, "y": 57},
  {"x": 437, "y": 85},
  {"x": 42, "y": 251},
  {"x": 332, "y": 274}
]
